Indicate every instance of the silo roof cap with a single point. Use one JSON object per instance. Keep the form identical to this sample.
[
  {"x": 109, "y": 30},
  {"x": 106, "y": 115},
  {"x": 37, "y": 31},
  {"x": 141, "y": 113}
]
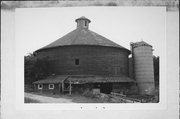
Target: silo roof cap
[{"x": 141, "y": 43}]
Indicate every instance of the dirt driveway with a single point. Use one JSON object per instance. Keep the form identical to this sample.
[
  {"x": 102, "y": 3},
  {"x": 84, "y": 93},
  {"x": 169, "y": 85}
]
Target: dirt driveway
[{"x": 44, "y": 99}]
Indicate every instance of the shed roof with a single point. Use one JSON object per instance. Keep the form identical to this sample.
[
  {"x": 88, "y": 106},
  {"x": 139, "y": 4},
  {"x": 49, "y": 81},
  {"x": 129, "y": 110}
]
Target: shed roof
[
  {"x": 99, "y": 79},
  {"x": 79, "y": 79},
  {"x": 82, "y": 36},
  {"x": 51, "y": 79}
]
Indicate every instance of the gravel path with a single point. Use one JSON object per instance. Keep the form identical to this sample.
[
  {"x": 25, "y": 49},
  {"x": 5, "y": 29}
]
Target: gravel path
[{"x": 44, "y": 99}]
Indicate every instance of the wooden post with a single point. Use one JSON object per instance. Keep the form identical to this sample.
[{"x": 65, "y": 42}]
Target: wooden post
[
  {"x": 59, "y": 87},
  {"x": 70, "y": 88},
  {"x": 34, "y": 87},
  {"x": 62, "y": 86},
  {"x": 42, "y": 88}
]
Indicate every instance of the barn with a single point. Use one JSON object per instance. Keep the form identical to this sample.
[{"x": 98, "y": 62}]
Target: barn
[{"x": 84, "y": 60}]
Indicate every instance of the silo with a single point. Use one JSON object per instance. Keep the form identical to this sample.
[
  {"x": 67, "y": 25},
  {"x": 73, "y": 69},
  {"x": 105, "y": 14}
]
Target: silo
[{"x": 143, "y": 67}]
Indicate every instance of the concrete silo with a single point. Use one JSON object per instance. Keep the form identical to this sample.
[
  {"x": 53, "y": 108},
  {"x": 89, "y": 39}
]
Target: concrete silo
[{"x": 143, "y": 67}]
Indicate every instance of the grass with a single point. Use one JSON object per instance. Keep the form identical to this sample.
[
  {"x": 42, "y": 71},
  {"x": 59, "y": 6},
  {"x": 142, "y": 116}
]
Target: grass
[
  {"x": 83, "y": 99},
  {"x": 28, "y": 100},
  {"x": 77, "y": 98},
  {"x": 80, "y": 98}
]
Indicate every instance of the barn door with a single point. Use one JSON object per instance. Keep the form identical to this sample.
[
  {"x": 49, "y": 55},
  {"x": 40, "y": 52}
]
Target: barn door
[{"x": 106, "y": 88}]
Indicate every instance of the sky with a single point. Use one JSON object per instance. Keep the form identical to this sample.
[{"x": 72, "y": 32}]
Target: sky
[{"x": 38, "y": 27}]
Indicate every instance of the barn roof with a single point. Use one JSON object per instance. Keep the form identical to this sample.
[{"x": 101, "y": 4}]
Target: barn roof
[
  {"x": 82, "y": 36},
  {"x": 79, "y": 79}
]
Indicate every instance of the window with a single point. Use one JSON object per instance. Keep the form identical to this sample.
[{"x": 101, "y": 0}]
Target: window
[
  {"x": 51, "y": 86},
  {"x": 85, "y": 23},
  {"x": 76, "y": 61},
  {"x": 40, "y": 86},
  {"x": 106, "y": 68}
]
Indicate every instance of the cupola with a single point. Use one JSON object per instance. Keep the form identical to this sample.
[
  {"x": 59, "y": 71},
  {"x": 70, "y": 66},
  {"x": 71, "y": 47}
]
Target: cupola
[{"x": 82, "y": 22}]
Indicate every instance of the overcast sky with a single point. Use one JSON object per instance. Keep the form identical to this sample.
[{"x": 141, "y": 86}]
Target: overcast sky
[{"x": 37, "y": 27}]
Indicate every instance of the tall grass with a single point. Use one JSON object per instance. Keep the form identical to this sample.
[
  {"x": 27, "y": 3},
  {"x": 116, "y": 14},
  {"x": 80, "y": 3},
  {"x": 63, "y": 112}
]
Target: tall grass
[
  {"x": 111, "y": 4},
  {"x": 29, "y": 100}
]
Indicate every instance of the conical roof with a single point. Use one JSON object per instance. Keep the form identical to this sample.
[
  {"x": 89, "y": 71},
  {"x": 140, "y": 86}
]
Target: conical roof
[
  {"x": 144, "y": 43},
  {"x": 83, "y": 18},
  {"x": 82, "y": 36},
  {"x": 141, "y": 43}
]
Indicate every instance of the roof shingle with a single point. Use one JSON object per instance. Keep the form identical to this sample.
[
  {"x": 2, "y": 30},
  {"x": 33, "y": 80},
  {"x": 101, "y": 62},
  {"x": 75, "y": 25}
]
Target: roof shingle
[
  {"x": 82, "y": 36},
  {"x": 82, "y": 79}
]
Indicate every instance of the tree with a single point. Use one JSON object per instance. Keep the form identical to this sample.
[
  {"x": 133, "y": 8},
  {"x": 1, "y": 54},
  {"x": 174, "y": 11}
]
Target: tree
[
  {"x": 36, "y": 69},
  {"x": 156, "y": 69}
]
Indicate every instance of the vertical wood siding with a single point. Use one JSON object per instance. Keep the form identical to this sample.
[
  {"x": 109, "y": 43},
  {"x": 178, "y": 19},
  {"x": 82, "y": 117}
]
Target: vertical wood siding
[{"x": 93, "y": 60}]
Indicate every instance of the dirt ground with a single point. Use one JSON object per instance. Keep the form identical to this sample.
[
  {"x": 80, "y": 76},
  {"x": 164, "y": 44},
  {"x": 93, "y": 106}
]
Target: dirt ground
[
  {"x": 50, "y": 98},
  {"x": 45, "y": 99}
]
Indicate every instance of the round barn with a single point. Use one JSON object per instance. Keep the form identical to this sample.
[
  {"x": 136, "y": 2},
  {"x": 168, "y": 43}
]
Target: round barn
[{"x": 83, "y": 59}]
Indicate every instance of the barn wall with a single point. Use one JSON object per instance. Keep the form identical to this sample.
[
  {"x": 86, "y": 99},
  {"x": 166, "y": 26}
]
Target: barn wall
[{"x": 93, "y": 60}]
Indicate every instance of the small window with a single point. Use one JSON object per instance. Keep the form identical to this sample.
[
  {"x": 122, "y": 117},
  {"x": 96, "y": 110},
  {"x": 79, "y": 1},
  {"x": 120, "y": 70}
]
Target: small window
[
  {"x": 76, "y": 61},
  {"x": 51, "y": 86},
  {"x": 106, "y": 68},
  {"x": 85, "y": 23},
  {"x": 40, "y": 86}
]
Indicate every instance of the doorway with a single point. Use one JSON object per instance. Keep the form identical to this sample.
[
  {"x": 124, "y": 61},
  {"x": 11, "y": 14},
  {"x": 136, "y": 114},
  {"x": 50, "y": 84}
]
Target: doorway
[{"x": 106, "y": 88}]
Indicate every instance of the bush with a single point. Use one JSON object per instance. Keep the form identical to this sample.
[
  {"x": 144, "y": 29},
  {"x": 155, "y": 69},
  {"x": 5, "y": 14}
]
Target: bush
[
  {"x": 36, "y": 68},
  {"x": 29, "y": 88},
  {"x": 111, "y": 4},
  {"x": 28, "y": 100},
  {"x": 88, "y": 93}
]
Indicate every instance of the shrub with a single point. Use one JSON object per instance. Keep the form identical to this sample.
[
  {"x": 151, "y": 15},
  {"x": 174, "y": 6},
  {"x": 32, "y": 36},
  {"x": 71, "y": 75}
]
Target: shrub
[
  {"x": 111, "y": 4},
  {"x": 98, "y": 4},
  {"x": 28, "y": 100}
]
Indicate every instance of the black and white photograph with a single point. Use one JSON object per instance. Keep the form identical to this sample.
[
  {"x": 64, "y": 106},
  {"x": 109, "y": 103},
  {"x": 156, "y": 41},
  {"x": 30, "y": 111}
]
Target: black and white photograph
[
  {"x": 113, "y": 58},
  {"x": 83, "y": 66}
]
